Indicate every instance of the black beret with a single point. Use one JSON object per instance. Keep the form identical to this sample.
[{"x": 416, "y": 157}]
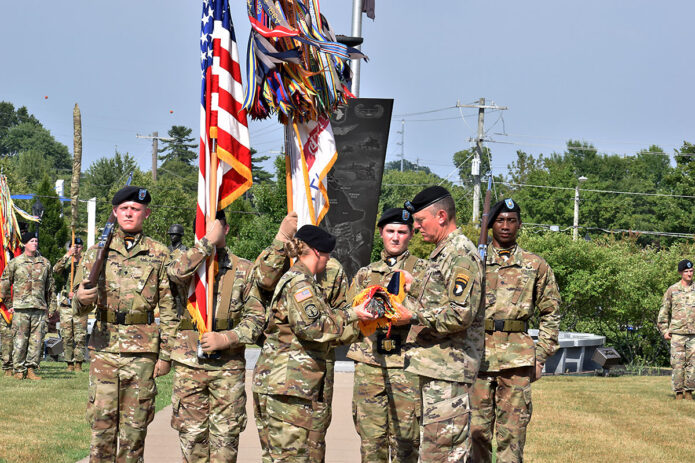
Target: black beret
[
  {"x": 78, "y": 240},
  {"x": 27, "y": 236},
  {"x": 131, "y": 193},
  {"x": 395, "y": 215},
  {"x": 220, "y": 216},
  {"x": 316, "y": 237},
  {"x": 684, "y": 264},
  {"x": 426, "y": 197},
  {"x": 505, "y": 205}
]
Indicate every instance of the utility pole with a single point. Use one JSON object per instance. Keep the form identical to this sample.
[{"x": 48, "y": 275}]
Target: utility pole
[
  {"x": 575, "y": 228},
  {"x": 475, "y": 164},
  {"x": 402, "y": 143},
  {"x": 155, "y": 149}
]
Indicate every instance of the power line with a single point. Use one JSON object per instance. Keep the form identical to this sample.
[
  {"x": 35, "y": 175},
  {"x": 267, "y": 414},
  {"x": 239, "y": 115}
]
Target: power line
[
  {"x": 635, "y": 193},
  {"x": 584, "y": 148},
  {"x": 615, "y": 231}
]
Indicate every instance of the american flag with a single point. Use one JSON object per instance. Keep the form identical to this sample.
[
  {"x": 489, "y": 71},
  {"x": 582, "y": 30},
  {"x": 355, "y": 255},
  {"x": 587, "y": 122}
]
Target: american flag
[{"x": 222, "y": 117}]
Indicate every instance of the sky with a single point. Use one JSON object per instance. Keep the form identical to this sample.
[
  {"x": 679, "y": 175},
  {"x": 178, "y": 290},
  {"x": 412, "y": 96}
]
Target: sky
[{"x": 613, "y": 73}]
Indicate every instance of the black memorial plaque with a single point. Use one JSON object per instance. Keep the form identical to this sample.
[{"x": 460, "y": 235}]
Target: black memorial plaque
[{"x": 361, "y": 130}]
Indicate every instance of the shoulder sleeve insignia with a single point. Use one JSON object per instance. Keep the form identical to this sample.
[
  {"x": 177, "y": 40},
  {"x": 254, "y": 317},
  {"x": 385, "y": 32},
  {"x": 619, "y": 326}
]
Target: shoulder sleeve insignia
[
  {"x": 303, "y": 294},
  {"x": 460, "y": 284},
  {"x": 311, "y": 311}
]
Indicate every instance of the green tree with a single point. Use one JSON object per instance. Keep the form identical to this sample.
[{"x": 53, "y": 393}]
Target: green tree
[
  {"x": 407, "y": 166},
  {"x": 181, "y": 148},
  {"x": 53, "y": 231},
  {"x": 260, "y": 175},
  {"x": 103, "y": 178}
]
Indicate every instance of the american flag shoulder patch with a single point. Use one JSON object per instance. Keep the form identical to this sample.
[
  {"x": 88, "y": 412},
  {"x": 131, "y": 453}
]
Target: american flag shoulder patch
[{"x": 302, "y": 295}]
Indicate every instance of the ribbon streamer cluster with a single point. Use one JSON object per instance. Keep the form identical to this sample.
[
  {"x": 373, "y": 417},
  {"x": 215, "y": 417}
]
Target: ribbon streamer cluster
[{"x": 295, "y": 66}]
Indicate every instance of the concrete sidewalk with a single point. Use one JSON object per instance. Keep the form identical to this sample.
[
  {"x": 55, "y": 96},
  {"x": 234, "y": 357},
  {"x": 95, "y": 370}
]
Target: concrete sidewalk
[{"x": 342, "y": 441}]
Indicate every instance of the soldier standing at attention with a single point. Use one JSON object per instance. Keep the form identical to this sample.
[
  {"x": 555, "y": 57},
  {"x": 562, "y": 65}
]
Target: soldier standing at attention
[
  {"x": 27, "y": 287},
  {"x": 678, "y": 305},
  {"x": 445, "y": 342},
  {"x": 517, "y": 285},
  {"x": 209, "y": 397},
  {"x": 290, "y": 375},
  {"x": 385, "y": 401},
  {"x": 128, "y": 348},
  {"x": 6, "y": 338},
  {"x": 73, "y": 328}
]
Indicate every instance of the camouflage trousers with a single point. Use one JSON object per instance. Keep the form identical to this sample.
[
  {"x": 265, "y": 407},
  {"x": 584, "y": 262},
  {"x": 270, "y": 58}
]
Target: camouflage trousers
[
  {"x": 209, "y": 412},
  {"x": 683, "y": 362},
  {"x": 386, "y": 412},
  {"x": 29, "y": 327},
  {"x": 73, "y": 331},
  {"x": 7, "y": 335},
  {"x": 445, "y": 422},
  {"x": 501, "y": 403},
  {"x": 290, "y": 428},
  {"x": 120, "y": 405}
]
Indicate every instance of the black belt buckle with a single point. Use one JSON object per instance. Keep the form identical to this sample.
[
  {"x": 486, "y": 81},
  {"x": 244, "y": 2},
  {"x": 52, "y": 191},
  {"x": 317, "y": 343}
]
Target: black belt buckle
[
  {"x": 120, "y": 318},
  {"x": 499, "y": 325},
  {"x": 388, "y": 346}
]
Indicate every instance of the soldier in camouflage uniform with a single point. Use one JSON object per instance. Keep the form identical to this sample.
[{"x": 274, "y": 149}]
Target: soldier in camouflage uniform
[
  {"x": 7, "y": 338},
  {"x": 385, "y": 401},
  {"x": 73, "y": 328},
  {"x": 209, "y": 397},
  {"x": 291, "y": 374},
  {"x": 518, "y": 285},
  {"x": 678, "y": 305},
  {"x": 127, "y": 347},
  {"x": 445, "y": 341},
  {"x": 27, "y": 287}
]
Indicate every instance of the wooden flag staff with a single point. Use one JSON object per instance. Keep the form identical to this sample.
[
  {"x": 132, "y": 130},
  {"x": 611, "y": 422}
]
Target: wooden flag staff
[{"x": 212, "y": 212}]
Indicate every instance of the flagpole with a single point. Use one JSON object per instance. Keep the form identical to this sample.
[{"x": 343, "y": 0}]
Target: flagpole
[
  {"x": 75, "y": 183},
  {"x": 212, "y": 212}
]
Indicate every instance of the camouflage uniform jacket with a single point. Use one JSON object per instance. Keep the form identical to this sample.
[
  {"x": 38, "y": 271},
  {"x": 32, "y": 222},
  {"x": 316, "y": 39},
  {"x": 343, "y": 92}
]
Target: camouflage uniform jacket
[
  {"x": 380, "y": 273},
  {"x": 446, "y": 336},
  {"x": 131, "y": 282},
  {"x": 27, "y": 283},
  {"x": 63, "y": 266},
  {"x": 300, "y": 329},
  {"x": 247, "y": 319},
  {"x": 678, "y": 304},
  {"x": 515, "y": 287}
]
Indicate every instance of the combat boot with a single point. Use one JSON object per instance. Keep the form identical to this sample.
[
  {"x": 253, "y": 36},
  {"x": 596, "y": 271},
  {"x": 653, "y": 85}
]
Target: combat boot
[
  {"x": 78, "y": 366},
  {"x": 18, "y": 375},
  {"x": 71, "y": 367},
  {"x": 679, "y": 396},
  {"x": 688, "y": 395},
  {"x": 32, "y": 375}
]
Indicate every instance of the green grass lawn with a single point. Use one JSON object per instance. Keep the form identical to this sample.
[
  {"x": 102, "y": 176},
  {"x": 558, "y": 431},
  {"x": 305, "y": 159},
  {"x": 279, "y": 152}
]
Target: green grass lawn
[{"x": 44, "y": 421}]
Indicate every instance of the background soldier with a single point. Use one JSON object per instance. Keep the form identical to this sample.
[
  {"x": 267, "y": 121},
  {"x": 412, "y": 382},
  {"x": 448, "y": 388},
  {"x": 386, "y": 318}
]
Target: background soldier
[
  {"x": 209, "y": 398},
  {"x": 517, "y": 284},
  {"x": 176, "y": 235},
  {"x": 27, "y": 286},
  {"x": 73, "y": 328},
  {"x": 7, "y": 339},
  {"x": 445, "y": 342},
  {"x": 678, "y": 304},
  {"x": 385, "y": 401},
  {"x": 128, "y": 349}
]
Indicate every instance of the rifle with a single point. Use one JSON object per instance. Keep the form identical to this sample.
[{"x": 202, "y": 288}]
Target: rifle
[
  {"x": 103, "y": 247},
  {"x": 482, "y": 240}
]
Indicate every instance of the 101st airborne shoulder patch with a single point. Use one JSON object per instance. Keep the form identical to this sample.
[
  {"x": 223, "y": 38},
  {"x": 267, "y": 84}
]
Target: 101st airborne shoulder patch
[{"x": 461, "y": 285}]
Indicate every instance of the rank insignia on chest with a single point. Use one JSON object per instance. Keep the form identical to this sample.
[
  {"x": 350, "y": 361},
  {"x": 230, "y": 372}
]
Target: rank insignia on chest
[
  {"x": 311, "y": 311},
  {"x": 460, "y": 284},
  {"x": 302, "y": 295}
]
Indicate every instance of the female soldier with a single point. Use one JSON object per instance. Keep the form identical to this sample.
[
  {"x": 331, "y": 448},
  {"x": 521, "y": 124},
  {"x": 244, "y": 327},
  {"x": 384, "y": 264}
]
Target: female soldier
[{"x": 290, "y": 375}]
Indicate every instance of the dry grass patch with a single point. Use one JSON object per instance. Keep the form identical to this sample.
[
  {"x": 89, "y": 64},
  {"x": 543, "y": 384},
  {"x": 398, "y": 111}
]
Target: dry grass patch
[
  {"x": 42, "y": 421},
  {"x": 623, "y": 419}
]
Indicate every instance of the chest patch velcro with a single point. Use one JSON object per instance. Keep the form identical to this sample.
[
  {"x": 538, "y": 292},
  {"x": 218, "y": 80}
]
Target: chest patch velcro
[{"x": 302, "y": 295}]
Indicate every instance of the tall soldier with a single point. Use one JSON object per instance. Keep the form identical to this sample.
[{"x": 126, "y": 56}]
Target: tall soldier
[
  {"x": 127, "y": 346},
  {"x": 676, "y": 323},
  {"x": 73, "y": 328},
  {"x": 518, "y": 285},
  {"x": 445, "y": 342},
  {"x": 27, "y": 286},
  {"x": 209, "y": 397},
  {"x": 385, "y": 401}
]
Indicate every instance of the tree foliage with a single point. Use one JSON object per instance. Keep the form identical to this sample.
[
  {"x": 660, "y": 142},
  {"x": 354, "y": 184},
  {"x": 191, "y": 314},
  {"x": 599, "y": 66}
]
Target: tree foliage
[{"x": 181, "y": 148}]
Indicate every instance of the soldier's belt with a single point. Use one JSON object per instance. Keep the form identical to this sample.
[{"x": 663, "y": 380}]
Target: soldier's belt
[
  {"x": 121, "y": 318},
  {"x": 509, "y": 326},
  {"x": 217, "y": 325},
  {"x": 388, "y": 346}
]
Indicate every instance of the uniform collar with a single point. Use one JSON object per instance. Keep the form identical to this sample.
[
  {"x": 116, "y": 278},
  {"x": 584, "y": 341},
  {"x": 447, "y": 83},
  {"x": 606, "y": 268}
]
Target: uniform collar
[
  {"x": 445, "y": 242},
  {"x": 391, "y": 261},
  {"x": 494, "y": 256},
  {"x": 299, "y": 267},
  {"x": 118, "y": 243}
]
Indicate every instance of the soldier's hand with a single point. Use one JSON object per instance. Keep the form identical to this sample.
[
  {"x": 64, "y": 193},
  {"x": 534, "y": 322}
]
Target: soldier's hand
[
  {"x": 161, "y": 368},
  {"x": 215, "y": 233},
  {"x": 408, "y": 280},
  {"x": 667, "y": 336},
  {"x": 288, "y": 227},
  {"x": 212, "y": 341},
  {"x": 404, "y": 315},
  {"x": 86, "y": 296},
  {"x": 362, "y": 313},
  {"x": 538, "y": 372}
]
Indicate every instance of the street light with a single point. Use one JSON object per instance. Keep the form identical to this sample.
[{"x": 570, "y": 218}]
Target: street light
[
  {"x": 37, "y": 209},
  {"x": 575, "y": 231}
]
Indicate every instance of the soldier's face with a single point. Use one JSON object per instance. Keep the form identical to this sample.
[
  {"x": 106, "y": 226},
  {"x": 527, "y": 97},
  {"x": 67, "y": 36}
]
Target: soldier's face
[
  {"x": 505, "y": 228},
  {"x": 33, "y": 244},
  {"x": 323, "y": 258},
  {"x": 396, "y": 238},
  {"x": 430, "y": 224},
  {"x": 686, "y": 275},
  {"x": 131, "y": 215}
]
